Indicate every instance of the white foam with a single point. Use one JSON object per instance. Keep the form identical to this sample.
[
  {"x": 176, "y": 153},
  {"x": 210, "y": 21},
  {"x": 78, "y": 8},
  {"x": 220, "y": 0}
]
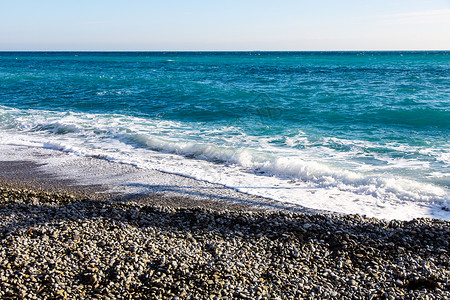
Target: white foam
[{"x": 318, "y": 177}]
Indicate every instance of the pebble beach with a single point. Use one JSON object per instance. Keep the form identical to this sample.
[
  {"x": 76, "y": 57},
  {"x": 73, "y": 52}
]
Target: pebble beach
[{"x": 63, "y": 241}]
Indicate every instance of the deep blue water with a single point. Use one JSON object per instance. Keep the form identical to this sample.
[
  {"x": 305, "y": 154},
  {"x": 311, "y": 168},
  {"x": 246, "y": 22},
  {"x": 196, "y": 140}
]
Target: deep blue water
[{"x": 378, "y": 114}]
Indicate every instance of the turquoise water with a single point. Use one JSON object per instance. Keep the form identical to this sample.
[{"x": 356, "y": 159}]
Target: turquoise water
[{"x": 369, "y": 127}]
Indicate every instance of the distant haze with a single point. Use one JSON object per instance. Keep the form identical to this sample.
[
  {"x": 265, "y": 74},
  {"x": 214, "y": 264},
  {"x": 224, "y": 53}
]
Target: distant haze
[{"x": 224, "y": 25}]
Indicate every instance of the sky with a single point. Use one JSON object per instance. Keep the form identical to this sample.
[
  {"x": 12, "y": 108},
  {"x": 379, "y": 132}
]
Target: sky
[{"x": 264, "y": 25}]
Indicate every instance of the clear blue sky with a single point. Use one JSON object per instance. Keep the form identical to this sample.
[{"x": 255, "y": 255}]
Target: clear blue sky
[{"x": 224, "y": 25}]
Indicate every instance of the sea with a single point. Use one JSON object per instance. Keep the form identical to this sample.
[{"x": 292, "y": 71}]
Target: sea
[{"x": 348, "y": 132}]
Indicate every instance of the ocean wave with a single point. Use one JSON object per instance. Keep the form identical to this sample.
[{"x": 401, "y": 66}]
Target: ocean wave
[
  {"x": 317, "y": 175},
  {"x": 125, "y": 139},
  {"x": 294, "y": 168},
  {"x": 417, "y": 117}
]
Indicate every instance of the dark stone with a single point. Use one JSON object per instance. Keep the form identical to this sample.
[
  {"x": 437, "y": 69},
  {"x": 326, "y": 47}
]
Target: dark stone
[{"x": 418, "y": 284}]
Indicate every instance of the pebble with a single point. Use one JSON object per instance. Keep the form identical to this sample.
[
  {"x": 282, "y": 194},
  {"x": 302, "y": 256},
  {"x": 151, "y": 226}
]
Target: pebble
[{"x": 64, "y": 246}]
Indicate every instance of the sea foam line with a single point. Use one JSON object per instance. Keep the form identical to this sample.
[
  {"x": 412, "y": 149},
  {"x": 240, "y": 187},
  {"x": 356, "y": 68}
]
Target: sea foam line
[{"x": 69, "y": 132}]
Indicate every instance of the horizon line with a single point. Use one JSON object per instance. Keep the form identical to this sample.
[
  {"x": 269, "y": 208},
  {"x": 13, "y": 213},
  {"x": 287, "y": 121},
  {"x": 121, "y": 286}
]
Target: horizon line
[{"x": 384, "y": 50}]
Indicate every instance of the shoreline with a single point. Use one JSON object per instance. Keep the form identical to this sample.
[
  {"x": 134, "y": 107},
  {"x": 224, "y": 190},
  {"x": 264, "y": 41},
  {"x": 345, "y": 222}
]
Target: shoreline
[
  {"x": 64, "y": 238},
  {"x": 47, "y": 169},
  {"x": 168, "y": 173}
]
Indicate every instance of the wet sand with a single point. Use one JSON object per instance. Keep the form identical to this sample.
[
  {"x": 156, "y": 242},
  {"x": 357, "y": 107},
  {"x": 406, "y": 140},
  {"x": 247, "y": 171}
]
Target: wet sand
[{"x": 49, "y": 170}]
